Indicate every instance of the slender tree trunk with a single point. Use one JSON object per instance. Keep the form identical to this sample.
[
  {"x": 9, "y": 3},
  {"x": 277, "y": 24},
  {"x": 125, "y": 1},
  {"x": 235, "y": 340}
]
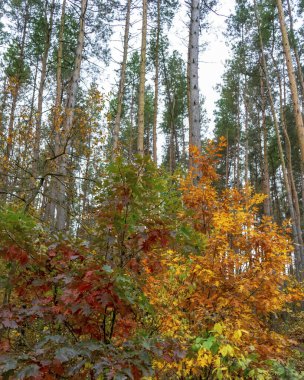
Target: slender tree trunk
[
  {"x": 292, "y": 79},
  {"x": 194, "y": 103},
  {"x": 184, "y": 153},
  {"x": 130, "y": 148},
  {"x": 15, "y": 84},
  {"x": 142, "y": 81},
  {"x": 227, "y": 161},
  {"x": 266, "y": 182},
  {"x": 246, "y": 106},
  {"x": 298, "y": 248},
  {"x": 53, "y": 186},
  {"x": 122, "y": 79},
  {"x": 44, "y": 60},
  {"x": 301, "y": 80},
  {"x": 289, "y": 156},
  {"x": 158, "y": 26},
  {"x": 177, "y": 153},
  {"x": 27, "y": 143},
  {"x": 2, "y": 112},
  {"x": 277, "y": 214},
  {"x": 237, "y": 151},
  {"x": 171, "y": 102},
  {"x": 172, "y": 141},
  {"x": 32, "y": 106},
  {"x": 4, "y": 93},
  {"x": 15, "y": 92},
  {"x": 296, "y": 53},
  {"x": 188, "y": 98},
  {"x": 10, "y": 135},
  {"x": 61, "y": 216},
  {"x": 85, "y": 190}
]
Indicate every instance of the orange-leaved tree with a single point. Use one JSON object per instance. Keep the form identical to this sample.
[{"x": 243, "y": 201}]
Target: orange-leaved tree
[{"x": 218, "y": 299}]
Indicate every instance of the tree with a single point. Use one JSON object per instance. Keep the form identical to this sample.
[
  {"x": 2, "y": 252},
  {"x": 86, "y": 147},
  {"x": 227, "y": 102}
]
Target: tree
[
  {"x": 142, "y": 80},
  {"x": 297, "y": 233},
  {"x": 175, "y": 84},
  {"x": 292, "y": 79},
  {"x": 122, "y": 78},
  {"x": 186, "y": 285},
  {"x": 193, "y": 88}
]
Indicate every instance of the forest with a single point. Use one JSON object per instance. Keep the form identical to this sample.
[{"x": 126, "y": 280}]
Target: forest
[{"x": 139, "y": 238}]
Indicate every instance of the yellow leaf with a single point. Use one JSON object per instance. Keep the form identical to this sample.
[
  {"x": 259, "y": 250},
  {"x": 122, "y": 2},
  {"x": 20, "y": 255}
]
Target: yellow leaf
[
  {"x": 218, "y": 328},
  {"x": 226, "y": 350},
  {"x": 237, "y": 334}
]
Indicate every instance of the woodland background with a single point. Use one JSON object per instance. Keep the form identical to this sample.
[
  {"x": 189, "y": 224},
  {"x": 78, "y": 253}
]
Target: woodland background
[{"x": 125, "y": 259}]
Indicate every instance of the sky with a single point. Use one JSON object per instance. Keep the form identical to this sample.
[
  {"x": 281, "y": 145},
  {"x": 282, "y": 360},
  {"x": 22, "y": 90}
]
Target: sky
[{"x": 212, "y": 60}]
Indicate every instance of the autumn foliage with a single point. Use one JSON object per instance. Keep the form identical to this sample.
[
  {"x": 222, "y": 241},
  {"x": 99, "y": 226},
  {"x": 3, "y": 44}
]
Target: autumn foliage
[{"x": 177, "y": 280}]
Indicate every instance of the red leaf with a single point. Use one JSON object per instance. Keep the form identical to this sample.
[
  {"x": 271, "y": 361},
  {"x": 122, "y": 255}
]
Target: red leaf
[
  {"x": 4, "y": 345},
  {"x": 137, "y": 375},
  {"x": 16, "y": 253}
]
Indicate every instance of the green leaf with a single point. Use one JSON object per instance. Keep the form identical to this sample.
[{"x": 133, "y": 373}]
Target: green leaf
[
  {"x": 9, "y": 364},
  {"x": 107, "y": 269},
  {"x": 64, "y": 354},
  {"x": 209, "y": 343},
  {"x": 29, "y": 371}
]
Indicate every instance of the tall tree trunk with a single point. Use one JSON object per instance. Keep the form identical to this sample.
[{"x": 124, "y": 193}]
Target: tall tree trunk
[
  {"x": 10, "y": 134},
  {"x": 292, "y": 79},
  {"x": 172, "y": 148},
  {"x": 32, "y": 104},
  {"x": 237, "y": 151},
  {"x": 246, "y": 107},
  {"x": 122, "y": 79},
  {"x": 266, "y": 181},
  {"x": 298, "y": 249},
  {"x": 158, "y": 26},
  {"x": 227, "y": 161},
  {"x": 37, "y": 137},
  {"x": 301, "y": 80},
  {"x": 290, "y": 167},
  {"x": 16, "y": 84},
  {"x": 51, "y": 204},
  {"x": 44, "y": 60},
  {"x": 142, "y": 81},
  {"x": 2, "y": 111},
  {"x": 61, "y": 215},
  {"x": 131, "y": 142},
  {"x": 188, "y": 98},
  {"x": 171, "y": 103},
  {"x": 289, "y": 156},
  {"x": 194, "y": 103}
]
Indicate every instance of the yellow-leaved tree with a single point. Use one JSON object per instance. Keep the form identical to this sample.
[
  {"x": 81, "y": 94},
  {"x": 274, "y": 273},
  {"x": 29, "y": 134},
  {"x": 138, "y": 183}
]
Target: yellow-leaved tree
[{"x": 219, "y": 297}]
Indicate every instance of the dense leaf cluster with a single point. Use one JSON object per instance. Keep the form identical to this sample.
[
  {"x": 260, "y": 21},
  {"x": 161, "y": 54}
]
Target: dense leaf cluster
[{"x": 175, "y": 280}]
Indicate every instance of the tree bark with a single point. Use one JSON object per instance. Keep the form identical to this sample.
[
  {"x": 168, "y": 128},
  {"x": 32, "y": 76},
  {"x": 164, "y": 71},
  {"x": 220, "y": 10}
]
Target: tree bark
[
  {"x": 158, "y": 26},
  {"x": 51, "y": 204},
  {"x": 246, "y": 106},
  {"x": 16, "y": 84},
  {"x": 2, "y": 110},
  {"x": 292, "y": 79},
  {"x": 142, "y": 81},
  {"x": 194, "y": 103},
  {"x": 61, "y": 215},
  {"x": 122, "y": 79},
  {"x": 298, "y": 248},
  {"x": 301, "y": 80},
  {"x": 44, "y": 60},
  {"x": 288, "y": 151},
  {"x": 266, "y": 181}
]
